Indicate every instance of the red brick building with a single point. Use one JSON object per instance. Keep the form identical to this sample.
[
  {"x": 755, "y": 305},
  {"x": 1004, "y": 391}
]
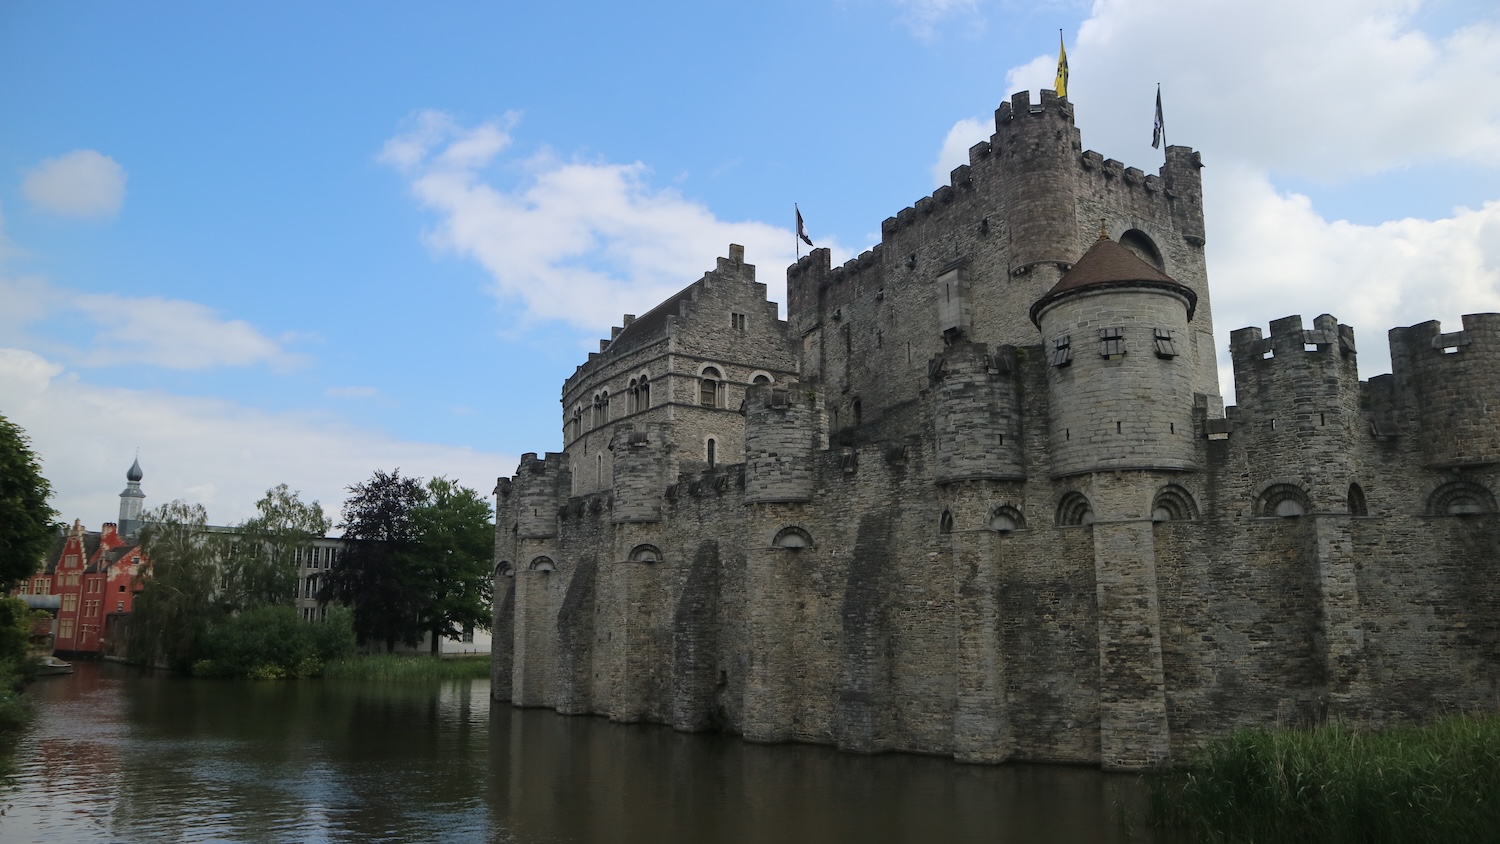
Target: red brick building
[{"x": 93, "y": 574}]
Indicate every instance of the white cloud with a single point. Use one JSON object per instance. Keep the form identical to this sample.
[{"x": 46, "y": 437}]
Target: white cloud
[
  {"x": 922, "y": 17},
  {"x": 174, "y": 334},
  {"x": 219, "y": 453},
  {"x": 1273, "y": 255},
  {"x": 82, "y": 183},
  {"x": 1323, "y": 90},
  {"x": 578, "y": 241},
  {"x": 170, "y": 333}
]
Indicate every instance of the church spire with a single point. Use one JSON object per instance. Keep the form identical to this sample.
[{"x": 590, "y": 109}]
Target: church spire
[{"x": 131, "y": 499}]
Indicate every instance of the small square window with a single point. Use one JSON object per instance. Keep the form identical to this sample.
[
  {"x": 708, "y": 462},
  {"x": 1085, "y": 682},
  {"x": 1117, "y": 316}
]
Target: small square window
[
  {"x": 1164, "y": 347},
  {"x": 1112, "y": 342},
  {"x": 1062, "y": 351}
]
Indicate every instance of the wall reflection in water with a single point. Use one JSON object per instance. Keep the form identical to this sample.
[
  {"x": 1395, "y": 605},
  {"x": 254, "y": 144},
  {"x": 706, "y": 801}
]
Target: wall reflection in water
[{"x": 123, "y": 755}]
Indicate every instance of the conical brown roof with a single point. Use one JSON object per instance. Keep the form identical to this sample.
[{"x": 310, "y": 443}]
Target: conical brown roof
[{"x": 1108, "y": 264}]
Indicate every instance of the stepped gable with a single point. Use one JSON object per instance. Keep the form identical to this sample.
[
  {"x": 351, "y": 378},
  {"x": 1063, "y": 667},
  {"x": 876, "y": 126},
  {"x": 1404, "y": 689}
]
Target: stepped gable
[{"x": 1108, "y": 264}]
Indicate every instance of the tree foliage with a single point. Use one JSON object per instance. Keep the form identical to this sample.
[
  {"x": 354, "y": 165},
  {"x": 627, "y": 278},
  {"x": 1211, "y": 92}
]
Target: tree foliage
[
  {"x": 372, "y": 576},
  {"x": 456, "y": 546},
  {"x": 260, "y": 569},
  {"x": 271, "y": 642},
  {"x": 25, "y": 517},
  {"x": 418, "y": 559},
  {"x": 177, "y": 601}
]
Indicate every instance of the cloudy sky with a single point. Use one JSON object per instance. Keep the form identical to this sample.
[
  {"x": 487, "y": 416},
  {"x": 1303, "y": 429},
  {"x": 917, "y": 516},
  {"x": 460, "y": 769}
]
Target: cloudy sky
[{"x": 280, "y": 244}]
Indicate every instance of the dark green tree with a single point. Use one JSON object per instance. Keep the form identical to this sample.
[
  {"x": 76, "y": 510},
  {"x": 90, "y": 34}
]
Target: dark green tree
[
  {"x": 452, "y": 561},
  {"x": 260, "y": 568},
  {"x": 25, "y": 518},
  {"x": 375, "y": 574},
  {"x": 177, "y": 602}
]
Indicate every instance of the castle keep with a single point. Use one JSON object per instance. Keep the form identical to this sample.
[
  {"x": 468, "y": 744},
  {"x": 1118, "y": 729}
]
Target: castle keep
[{"x": 979, "y": 496}]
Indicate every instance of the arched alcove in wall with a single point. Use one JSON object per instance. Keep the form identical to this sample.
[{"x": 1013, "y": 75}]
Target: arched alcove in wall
[{"x": 1144, "y": 248}]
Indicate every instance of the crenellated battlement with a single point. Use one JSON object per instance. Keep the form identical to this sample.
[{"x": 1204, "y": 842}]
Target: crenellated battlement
[
  {"x": 535, "y": 492},
  {"x": 1445, "y": 384},
  {"x": 1327, "y": 338},
  {"x": 1020, "y": 113}
]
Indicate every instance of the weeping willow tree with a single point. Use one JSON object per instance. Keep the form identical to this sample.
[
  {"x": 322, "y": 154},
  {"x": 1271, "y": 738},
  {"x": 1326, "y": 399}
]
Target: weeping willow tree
[
  {"x": 260, "y": 567},
  {"x": 179, "y": 598}
]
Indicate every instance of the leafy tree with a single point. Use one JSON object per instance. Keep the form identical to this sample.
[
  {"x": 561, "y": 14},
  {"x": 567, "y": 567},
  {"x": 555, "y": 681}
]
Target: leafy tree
[
  {"x": 177, "y": 602},
  {"x": 455, "y": 544},
  {"x": 25, "y": 517},
  {"x": 261, "y": 568},
  {"x": 271, "y": 642},
  {"x": 374, "y": 575}
]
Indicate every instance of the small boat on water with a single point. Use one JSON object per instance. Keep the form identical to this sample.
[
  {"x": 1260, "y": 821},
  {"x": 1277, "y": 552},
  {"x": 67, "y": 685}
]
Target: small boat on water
[{"x": 52, "y": 665}]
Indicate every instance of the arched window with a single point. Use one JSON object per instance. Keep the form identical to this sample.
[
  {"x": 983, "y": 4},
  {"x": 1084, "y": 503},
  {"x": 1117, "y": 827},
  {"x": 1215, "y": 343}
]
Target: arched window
[
  {"x": 1460, "y": 498},
  {"x": 1006, "y": 518},
  {"x": 1357, "y": 505},
  {"x": 1074, "y": 510},
  {"x": 711, "y": 452},
  {"x": 760, "y": 378},
  {"x": 945, "y": 522},
  {"x": 1173, "y": 504},
  {"x": 792, "y": 538},
  {"x": 543, "y": 564},
  {"x": 710, "y": 387},
  {"x": 643, "y": 399},
  {"x": 505, "y": 569},
  {"x": 1283, "y": 500},
  {"x": 604, "y": 402},
  {"x": 645, "y": 554},
  {"x": 1138, "y": 242},
  {"x": 631, "y": 396}
]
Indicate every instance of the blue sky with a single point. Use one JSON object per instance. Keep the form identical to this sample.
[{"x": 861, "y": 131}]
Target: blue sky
[{"x": 294, "y": 243}]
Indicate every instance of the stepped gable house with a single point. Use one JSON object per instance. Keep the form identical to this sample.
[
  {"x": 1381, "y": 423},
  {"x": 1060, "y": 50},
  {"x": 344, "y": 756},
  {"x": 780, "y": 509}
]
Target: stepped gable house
[{"x": 978, "y": 494}]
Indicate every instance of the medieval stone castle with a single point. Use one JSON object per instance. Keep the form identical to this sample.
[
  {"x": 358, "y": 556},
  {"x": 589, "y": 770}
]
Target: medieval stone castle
[{"x": 978, "y": 495}]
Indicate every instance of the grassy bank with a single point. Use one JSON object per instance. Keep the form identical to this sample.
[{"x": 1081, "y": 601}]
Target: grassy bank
[
  {"x": 1437, "y": 783},
  {"x": 408, "y": 669}
]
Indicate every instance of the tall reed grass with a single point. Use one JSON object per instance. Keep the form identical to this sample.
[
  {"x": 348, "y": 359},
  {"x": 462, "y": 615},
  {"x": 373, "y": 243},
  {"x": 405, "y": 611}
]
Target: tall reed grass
[
  {"x": 396, "y": 668},
  {"x": 1337, "y": 783}
]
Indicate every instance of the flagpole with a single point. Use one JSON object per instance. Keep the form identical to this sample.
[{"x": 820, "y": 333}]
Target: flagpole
[{"x": 796, "y": 240}]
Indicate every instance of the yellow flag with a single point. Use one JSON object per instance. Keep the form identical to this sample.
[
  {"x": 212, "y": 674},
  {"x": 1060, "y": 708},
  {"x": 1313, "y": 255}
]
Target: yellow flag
[{"x": 1062, "y": 67}]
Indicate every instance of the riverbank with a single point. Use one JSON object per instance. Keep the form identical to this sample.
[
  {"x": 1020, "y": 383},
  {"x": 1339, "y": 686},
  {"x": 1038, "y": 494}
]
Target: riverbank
[
  {"x": 395, "y": 668},
  {"x": 1438, "y": 782}
]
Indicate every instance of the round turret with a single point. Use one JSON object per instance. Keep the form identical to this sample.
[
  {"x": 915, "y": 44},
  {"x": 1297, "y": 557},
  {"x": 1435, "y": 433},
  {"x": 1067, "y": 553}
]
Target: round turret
[{"x": 1115, "y": 333}]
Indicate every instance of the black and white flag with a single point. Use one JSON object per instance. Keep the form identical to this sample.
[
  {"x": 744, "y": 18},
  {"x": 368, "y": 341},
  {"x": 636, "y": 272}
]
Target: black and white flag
[
  {"x": 801, "y": 228},
  {"x": 1159, "y": 129}
]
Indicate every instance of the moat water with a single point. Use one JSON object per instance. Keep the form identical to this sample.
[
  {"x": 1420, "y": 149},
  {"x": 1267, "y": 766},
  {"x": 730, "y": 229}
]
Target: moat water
[{"x": 120, "y": 755}]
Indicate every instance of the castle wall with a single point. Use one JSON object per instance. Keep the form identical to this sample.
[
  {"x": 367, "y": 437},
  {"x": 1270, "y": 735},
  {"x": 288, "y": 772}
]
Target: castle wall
[{"x": 925, "y": 536}]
